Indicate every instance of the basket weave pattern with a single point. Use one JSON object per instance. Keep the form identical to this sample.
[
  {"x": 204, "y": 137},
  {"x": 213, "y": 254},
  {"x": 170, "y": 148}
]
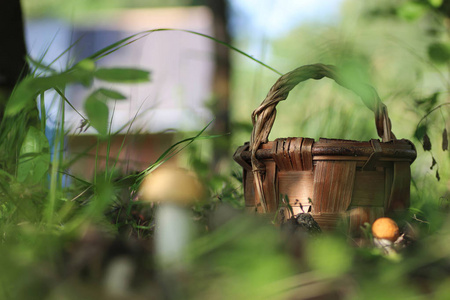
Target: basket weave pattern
[{"x": 328, "y": 177}]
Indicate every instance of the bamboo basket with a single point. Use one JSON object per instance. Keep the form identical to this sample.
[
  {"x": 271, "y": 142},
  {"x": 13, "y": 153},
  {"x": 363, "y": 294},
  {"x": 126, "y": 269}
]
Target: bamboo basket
[{"x": 330, "y": 177}]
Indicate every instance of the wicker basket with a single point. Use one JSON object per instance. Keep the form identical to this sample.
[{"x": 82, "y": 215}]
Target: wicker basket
[{"x": 329, "y": 177}]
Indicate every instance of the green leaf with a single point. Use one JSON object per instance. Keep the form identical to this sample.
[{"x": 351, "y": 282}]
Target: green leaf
[
  {"x": 436, "y": 3},
  {"x": 83, "y": 72},
  {"x": 124, "y": 75},
  {"x": 420, "y": 132},
  {"x": 411, "y": 11},
  {"x": 439, "y": 52},
  {"x": 86, "y": 65},
  {"x": 354, "y": 73},
  {"x": 98, "y": 113},
  {"x": 111, "y": 94},
  {"x": 22, "y": 96},
  {"x": 34, "y": 159},
  {"x": 26, "y": 91},
  {"x": 427, "y": 103}
]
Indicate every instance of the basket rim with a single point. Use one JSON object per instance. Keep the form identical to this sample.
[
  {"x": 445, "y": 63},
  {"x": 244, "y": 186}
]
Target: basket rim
[{"x": 395, "y": 150}]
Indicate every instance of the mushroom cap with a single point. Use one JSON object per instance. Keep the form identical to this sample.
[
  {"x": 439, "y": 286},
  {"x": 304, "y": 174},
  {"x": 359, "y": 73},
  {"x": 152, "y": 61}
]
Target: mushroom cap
[
  {"x": 385, "y": 228},
  {"x": 174, "y": 185},
  {"x": 357, "y": 217}
]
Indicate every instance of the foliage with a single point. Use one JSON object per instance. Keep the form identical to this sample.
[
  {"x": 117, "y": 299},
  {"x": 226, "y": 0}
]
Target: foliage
[
  {"x": 34, "y": 194},
  {"x": 72, "y": 241}
]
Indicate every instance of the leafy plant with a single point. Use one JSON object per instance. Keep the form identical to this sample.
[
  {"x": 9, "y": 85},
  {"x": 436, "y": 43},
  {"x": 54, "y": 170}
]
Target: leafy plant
[{"x": 62, "y": 242}]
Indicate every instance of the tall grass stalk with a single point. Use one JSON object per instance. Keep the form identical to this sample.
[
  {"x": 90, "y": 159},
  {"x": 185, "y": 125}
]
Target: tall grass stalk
[
  {"x": 55, "y": 176},
  {"x": 43, "y": 112}
]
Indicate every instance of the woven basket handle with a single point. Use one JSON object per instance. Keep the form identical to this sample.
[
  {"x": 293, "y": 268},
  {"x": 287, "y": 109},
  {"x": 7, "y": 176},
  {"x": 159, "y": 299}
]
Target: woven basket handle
[{"x": 264, "y": 116}]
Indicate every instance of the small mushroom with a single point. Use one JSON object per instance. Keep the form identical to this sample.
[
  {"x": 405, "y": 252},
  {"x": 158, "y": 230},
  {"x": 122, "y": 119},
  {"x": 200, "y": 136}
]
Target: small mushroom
[
  {"x": 385, "y": 232},
  {"x": 174, "y": 189},
  {"x": 357, "y": 219},
  {"x": 385, "y": 228}
]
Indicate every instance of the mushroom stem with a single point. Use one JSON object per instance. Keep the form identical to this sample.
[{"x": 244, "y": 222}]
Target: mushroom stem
[
  {"x": 175, "y": 190},
  {"x": 385, "y": 245},
  {"x": 173, "y": 232}
]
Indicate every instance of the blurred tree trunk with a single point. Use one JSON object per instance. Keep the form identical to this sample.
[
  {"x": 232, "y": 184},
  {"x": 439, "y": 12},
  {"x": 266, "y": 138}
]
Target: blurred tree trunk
[
  {"x": 221, "y": 85},
  {"x": 13, "y": 50},
  {"x": 13, "y": 68}
]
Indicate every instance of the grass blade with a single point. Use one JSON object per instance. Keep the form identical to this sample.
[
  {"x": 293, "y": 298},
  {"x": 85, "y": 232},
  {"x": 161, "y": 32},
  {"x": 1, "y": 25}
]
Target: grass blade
[{"x": 135, "y": 37}]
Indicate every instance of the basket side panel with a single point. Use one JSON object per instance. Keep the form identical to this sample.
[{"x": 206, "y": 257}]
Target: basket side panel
[
  {"x": 295, "y": 153},
  {"x": 306, "y": 154},
  {"x": 327, "y": 221},
  {"x": 298, "y": 186},
  {"x": 249, "y": 192},
  {"x": 281, "y": 155},
  {"x": 389, "y": 178},
  {"x": 400, "y": 191},
  {"x": 369, "y": 189},
  {"x": 333, "y": 186},
  {"x": 270, "y": 186},
  {"x": 269, "y": 189}
]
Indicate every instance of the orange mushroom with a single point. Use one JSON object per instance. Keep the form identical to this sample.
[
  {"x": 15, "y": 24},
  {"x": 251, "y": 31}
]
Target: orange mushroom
[{"x": 385, "y": 228}]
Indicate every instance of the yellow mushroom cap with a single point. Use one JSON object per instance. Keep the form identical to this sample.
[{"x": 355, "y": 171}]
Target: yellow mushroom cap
[
  {"x": 385, "y": 228},
  {"x": 174, "y": 185}
]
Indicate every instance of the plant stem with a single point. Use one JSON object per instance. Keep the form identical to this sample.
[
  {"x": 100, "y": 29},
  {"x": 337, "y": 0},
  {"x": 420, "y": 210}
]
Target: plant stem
[
  {"x": 43, "y": 112},
  {"x": 428, "y": 113}
]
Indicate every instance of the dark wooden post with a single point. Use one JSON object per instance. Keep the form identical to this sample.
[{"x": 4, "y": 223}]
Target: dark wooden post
[
  {"x": 221, "y": 88},
  {"x": 12, "y": 51}
]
